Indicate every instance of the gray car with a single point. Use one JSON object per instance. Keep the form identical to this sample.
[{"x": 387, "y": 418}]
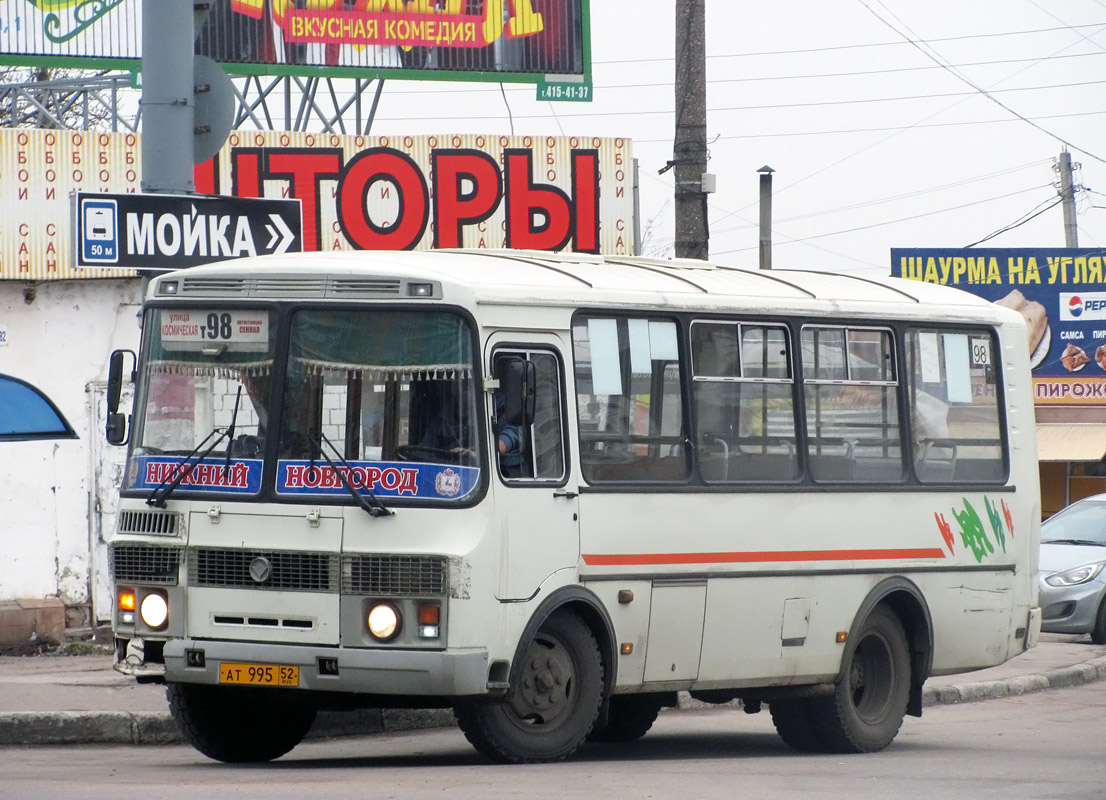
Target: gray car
[{"x": 1072, "y": 574}]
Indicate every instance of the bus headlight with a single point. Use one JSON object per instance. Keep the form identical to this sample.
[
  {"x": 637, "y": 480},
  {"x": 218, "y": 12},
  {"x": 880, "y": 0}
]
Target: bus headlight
[
  {"x": 154, "y": 610},
  {"x": 384, "y": 622}
]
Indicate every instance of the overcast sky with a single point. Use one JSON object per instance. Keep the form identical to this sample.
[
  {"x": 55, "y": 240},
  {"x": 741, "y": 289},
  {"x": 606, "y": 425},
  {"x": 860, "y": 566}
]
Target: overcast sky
[{"x": 876, "y": 142}]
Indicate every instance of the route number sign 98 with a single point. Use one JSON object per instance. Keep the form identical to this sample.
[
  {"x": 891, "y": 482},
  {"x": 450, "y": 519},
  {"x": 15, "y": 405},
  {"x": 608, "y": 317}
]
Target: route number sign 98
[{"x": 192, "y": 329}]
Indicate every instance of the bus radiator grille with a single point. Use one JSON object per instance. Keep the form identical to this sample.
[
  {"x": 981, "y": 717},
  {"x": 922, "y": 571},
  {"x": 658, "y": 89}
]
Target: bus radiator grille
[
  {"x": 394, "y": 576},
  {"x": 151, "y": 523},
  {"x": 144, "y": 563},
  {"x": 263, "y": 569}
]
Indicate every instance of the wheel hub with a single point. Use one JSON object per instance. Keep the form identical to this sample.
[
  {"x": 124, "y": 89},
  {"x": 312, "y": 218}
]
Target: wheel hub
[{"x": 542, "y": 696}]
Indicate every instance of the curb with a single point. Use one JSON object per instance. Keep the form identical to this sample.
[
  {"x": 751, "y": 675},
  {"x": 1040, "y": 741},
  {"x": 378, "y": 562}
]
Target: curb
[
  {"x": 158, "y": 728},
  {"x": 1077, "y": 675},
  {"x": 154, "y": 728}
]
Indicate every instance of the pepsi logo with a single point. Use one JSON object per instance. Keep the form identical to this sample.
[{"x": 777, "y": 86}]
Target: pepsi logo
[{"x": 1075, "y": 306}]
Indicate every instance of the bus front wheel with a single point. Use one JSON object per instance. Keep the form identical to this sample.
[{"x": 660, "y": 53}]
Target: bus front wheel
[
  {"x": 868, "y": 704},
  {"x": 552, "y": 703},
  {"x": 239, "y": 725}
]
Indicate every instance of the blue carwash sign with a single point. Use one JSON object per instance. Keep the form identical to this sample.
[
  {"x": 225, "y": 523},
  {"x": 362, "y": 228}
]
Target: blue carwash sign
[
  {"x": 1061, "y": 293},
  {"x": 173, "y": 231}
]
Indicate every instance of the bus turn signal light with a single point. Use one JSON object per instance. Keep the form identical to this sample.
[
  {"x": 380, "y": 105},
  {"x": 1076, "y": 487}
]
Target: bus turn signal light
[
  {"x": 430, "y": 616},
  {"x": 127, "y": 604},
  {"x": 127, "y": 600}
]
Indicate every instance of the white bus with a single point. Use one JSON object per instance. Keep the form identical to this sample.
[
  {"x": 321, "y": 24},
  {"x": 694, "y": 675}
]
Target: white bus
[{"x": 551, "y": 491}]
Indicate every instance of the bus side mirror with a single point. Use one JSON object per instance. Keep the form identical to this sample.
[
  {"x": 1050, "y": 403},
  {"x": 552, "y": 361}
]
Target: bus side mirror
[
  {"x": 517, "y": 382},
  {"x": 116, "y": 429}
]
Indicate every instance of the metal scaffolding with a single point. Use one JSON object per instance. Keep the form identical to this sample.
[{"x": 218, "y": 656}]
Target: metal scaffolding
[{"x": 112, "y": 102}]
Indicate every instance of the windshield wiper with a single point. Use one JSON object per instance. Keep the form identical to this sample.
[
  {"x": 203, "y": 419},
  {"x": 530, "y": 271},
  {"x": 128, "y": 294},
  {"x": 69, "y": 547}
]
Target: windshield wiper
[
  {"x": 1081, "y": 542},
  {"x": 368, "y": 501},
  {"x": 230, "y": 432},
  {"x": 162, "y": 491}
]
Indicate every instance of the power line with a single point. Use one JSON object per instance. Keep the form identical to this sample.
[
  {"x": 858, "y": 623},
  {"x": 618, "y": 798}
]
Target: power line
[
  {"x": 791, "y": 240},
  {"x": 892, "y": 135},
  {"x": 936, "y": 95},
  {"x": 812, "y": 104},
  {"x": 861, "y": 45},
  {"x": 935, "y": 57},
  {"x": 858, "y": 73},
  {"x": 1019, "y": 223},
  {"x": 897, "y": 128},
  {"x": 515, "y": 89},
  {"x": 1084, "y": 37},
  {"x": 510, "y": 116},
  {"x": 893, "y": 198},
  {"x": 944, "y": 210}
]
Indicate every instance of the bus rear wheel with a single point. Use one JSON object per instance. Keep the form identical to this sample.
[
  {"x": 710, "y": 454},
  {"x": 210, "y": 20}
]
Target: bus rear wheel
[
  {"x": 239, "y": 725},
  {"x": 551, "y": 705},
  {"x": 868, "y": 704}
]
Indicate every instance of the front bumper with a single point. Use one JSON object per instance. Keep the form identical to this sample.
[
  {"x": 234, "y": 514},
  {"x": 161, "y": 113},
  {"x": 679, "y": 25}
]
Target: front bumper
[
  {"x": 438, "y": 673},
  {"x": 1071, "y": 609}
]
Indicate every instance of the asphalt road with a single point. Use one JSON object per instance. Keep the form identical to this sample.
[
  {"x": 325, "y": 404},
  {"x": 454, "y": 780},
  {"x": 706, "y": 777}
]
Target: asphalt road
[{"x": 1036, "y": 746}]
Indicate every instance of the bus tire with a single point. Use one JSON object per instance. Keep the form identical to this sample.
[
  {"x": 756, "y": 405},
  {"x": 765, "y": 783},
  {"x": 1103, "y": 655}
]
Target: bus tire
[
  {"x": 552, "y": 703},
  {"x": 630, "y": 717},
  {"x": 239, "y": 725},
  {"x": 868, "y": 704},
  {"x": 794, "y": 721}
]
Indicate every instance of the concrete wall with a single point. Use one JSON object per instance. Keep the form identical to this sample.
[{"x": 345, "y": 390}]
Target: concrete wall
[{"x": 58, "y": 335}]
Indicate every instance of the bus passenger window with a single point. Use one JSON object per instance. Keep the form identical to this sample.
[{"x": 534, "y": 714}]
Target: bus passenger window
[
  {"x": 628, "y": 398},
  {"x": 852, "y": 417},
  {"x": 954, "y": 406},
  {"x": 742, "y": 393}
]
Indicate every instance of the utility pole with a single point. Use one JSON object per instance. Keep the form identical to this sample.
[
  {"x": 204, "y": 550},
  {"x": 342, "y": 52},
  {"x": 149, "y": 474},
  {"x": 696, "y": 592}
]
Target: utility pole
[
  {"x": 168, "y": 96},
  {"x": 689, "y": 149},
  {"x": 766, "y": 216},
  {"x": 1067, "y": 199}
]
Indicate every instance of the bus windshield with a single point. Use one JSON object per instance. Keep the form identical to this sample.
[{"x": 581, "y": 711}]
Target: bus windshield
[
  {"x": 207, "y": 380},
  {"x": 389, "y": 395},
  {"x": 382, "y": 399}
]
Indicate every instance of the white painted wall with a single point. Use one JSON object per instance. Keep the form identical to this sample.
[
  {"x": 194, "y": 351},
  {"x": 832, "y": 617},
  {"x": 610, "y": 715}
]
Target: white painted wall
[{"x": 58, "y": 336}]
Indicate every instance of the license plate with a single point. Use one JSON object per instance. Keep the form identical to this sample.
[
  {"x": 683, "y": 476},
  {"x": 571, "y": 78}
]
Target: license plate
[{"x": 259, "y": 674}]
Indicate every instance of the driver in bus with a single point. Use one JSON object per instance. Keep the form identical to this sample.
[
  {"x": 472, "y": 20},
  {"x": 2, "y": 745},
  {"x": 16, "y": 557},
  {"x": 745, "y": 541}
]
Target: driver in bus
[
  {"x": 449, "y": 432},
  {"x": 508, "y": 441}
]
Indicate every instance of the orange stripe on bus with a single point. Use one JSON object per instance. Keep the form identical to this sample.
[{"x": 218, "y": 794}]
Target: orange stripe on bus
[{"x": 768, "y": 556}]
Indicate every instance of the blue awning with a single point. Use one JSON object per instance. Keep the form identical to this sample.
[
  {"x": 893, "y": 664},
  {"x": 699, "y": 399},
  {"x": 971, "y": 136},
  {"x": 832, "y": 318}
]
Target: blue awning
[{"x": 27, "y": 414}]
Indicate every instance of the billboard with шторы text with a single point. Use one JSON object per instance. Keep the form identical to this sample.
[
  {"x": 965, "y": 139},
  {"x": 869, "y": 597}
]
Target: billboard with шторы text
[{"x": 356, "y": 192}]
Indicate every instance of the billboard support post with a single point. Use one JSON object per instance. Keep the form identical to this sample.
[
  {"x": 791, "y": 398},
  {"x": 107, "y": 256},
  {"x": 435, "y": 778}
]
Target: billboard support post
[{"x": 168, "y": 96}]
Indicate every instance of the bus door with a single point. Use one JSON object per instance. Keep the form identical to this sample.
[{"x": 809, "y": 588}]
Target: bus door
[{"x": 535, "y": 507}]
